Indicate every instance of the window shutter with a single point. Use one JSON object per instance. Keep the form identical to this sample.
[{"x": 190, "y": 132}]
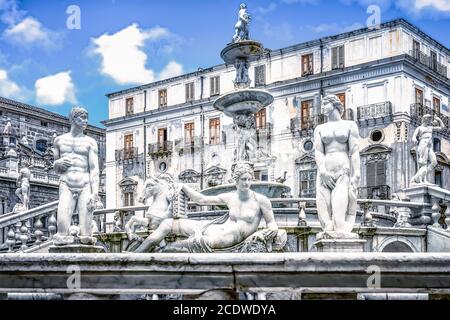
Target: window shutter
[
  {"x": 341, "y": 56},
  {"x": 381, "y": 173},
  {"x": 371, "y": 174},
  {"x": 334, "y": 58}
]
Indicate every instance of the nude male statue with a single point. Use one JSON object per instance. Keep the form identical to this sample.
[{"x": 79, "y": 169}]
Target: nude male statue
[
  {"x": 23, "y": 184},
  {"x": 246, "y": 209},
  {"x": 426, "y": 158},
  {"x": 77, "y": 163},
  {"x": 338, "y": 174},
  {"x": 241, "y": 27}
]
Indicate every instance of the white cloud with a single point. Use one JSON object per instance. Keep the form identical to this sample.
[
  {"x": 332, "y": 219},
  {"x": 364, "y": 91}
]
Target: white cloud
[
  {"x": 172, "y": 69},
  {"x": 123, "y": 57},
  {"x": 282, "y": 32},
  {"x": 300, "y": 1},
  {"x": 265, "y": 10},
  {"x": 414, "y": 7},
  {"x": 10, "y": 12},
  {"x": 8, "y": 88},
  {"x": 441, "y": 5},
  {"x": 31, "y": 32},
  {"x": 334, "y": 28},
  {"x": 56, "y": 89}
]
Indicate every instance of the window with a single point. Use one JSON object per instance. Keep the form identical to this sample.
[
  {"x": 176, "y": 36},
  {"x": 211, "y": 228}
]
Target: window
[
  {"x": 162, "y": 98},
  {"x": 376, "y": 135},
  {"x": 214, "y": 131},
  {"x": 261, "y": 119},
  {"x": 261, "y": 175},
  {"x": 128, "y": 199},
  {"x": 129, "y": 106},
  {"x": 376, "y": 173},
  {"x": 419, "y": 97},
  {"x": 433, "y": 60},
  {"x": 416, "y": 49},
  {"x": 337, "y": 57},
  {"x": 41, "y": 145},
  {"x": 189, "y": 91},
  {"x": 214, "y": 84},
  {"x": 260, "y": 75},
  {"x": 189, "y": 133},
  {"x": 341, "y": 97},
  {"x": 306, "y": 113},
  {"x": 436, "y": 105},
  {"x": 162, "y": 138},
  {"x": 44, "y": 124},
  {"x": 438, "y": 178},
  {"x": 436, "y": 145},
  {"x": 128, "y": 146},
  {"x": 307, "y": 64},
  {"x": 307, "y": 183}
]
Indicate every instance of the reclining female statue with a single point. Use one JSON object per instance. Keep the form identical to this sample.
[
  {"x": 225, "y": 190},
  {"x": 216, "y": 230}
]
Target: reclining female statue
[{"x": 246, "y": 208}]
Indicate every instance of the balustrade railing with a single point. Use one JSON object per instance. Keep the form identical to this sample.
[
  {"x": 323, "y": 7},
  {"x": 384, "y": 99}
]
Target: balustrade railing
[
  {"x": 418, "y": 110},
  {"x": 373, "y": 111},
  {"x": 429, "y": 62},
  {"x": 126, "y": 154},
  {"x": 160, "y": 148},
  {"x": 306, "y": 123}
]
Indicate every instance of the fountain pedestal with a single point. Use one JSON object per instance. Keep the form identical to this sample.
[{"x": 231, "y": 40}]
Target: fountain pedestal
[{"x": 332, "y": 242}]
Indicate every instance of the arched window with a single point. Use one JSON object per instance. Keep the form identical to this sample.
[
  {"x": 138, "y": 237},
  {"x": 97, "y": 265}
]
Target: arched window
[
  {"x": 397, "y": 246},
  {"x": 41, "y": 145},
  {"x": 436, "y": 145}
]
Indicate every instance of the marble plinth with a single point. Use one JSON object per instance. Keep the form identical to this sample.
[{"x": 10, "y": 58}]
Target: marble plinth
[
  {"x": 76, "y": 248},
  {"x": 340, "y": 245}
]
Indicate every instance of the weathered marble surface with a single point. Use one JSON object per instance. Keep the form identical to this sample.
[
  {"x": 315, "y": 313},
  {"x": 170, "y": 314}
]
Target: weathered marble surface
[{"x": 338, "y": 175}]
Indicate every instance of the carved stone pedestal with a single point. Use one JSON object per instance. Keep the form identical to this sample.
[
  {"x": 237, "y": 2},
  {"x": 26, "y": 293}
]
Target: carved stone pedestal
[
  {"x": 340, "y": 245},
  {"x": 76, "y": 248}
]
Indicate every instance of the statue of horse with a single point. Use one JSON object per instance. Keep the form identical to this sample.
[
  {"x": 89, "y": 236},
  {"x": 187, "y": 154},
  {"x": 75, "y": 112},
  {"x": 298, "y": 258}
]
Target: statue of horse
[{"x": 159, "y": 194}]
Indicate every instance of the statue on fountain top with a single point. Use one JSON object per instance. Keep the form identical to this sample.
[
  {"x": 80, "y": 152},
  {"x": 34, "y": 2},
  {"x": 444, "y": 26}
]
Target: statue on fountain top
[
  {"x": 426, "y": 158},
  {"x": 338, "y": 173},
  {"x": 236, "y": 231},
  {"x": 241, "y": 27},
  {"x": 23, "y": 187}
]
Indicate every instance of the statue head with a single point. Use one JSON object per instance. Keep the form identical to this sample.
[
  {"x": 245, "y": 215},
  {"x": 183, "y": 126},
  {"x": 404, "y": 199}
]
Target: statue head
[
  {"x": 243, "y": 6},
  {"x": 427, "y": 119},
  {"x": 242, "y": 174},
  {"x": 78, "y": 116},
  {"x": 331, "y": 102},
  {"x": 154, "y": 186}
]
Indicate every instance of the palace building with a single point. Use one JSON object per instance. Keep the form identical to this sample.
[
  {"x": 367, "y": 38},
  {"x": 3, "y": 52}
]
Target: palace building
[{"x": 387, "y": 78}]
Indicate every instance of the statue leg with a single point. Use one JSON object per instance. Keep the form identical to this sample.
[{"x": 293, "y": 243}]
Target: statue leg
[
  {"x": 85, "y": 216},
  {"x": 25, "y": 196},
  {"x": 323, "y": 205},
  {"x": 339, "y": 203},
  {"x": 433, "y": 162},
  {"x": 156, "y": 236},
  {"x": 66, "y": 206}
]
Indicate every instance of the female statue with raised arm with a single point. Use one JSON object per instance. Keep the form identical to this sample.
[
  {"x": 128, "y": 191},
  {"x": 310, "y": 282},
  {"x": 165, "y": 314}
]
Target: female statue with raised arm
[{"x": 338, "y": 171}]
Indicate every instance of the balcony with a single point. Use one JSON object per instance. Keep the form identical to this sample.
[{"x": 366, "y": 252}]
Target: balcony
[
  {"x": 183, "y": 146},
  {"x": 160, "y": 149},
  {"x": 264, "y": 133},
  {"x": 126, "y": 154},
  {"x": 306, "y": 124},
  {"x": 382, "y": 192},
  {"x": 349, "y": 115},
  {"x": 427, "y": 61},
  {"x": 418, "y": 110},
  {"x": 377, "y": 112}
]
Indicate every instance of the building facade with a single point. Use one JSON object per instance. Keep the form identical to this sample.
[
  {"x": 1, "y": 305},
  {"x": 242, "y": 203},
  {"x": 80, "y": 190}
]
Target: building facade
[
  {"x": 26, "y": 136},
  {"x": 387, "y": 79}
]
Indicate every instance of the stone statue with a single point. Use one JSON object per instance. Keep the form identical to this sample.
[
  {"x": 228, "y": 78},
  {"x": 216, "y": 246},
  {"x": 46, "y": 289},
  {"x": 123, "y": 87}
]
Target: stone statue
[
  {"x": 159, "y": 194},
  {"x": 76, "y": 160},
  {"x": 24, "y": 140},
  {"x": 338, "y": 174},
  {"x": 426, "y": 158},
  {"x": 241, "y": 27},
  {"x": 242, "y": 79},
  {"x": 236, "y": 229},
  {"x": 23, "y": 184},
  {"x": 8, "y": 129},
  {"x": 245, "y": 126}
]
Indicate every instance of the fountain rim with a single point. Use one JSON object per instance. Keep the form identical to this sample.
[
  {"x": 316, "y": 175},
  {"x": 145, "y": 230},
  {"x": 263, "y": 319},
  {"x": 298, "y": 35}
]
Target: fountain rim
[
  {"x": 234, "y": 51},
  {"x": 260, "y": 97}
]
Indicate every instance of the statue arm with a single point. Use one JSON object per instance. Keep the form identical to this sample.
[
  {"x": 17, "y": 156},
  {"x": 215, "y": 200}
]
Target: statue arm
[
  {"x": 266, "y": 208},
  {"x": 93, "y": 167},
  {"x": 441, "y": 126},
  {"x": 415, "y": 135},
  {"x": 354, "y": 155},
  {"x": 201, "y": 199}
]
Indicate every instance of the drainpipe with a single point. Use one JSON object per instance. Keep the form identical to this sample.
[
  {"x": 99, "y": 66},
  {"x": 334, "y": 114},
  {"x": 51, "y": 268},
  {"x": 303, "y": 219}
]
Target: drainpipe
[
  {"x": 321, "y": 68},
  {"x": 202, "y": 141},
  {"x": 145, "y": 136}
]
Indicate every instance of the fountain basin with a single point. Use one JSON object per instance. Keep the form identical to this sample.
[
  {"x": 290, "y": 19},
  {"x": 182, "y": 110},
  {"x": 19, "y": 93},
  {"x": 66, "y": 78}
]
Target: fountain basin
[
  {"x": 248, "y": 50},
  {"x": 245, "y": 101}
]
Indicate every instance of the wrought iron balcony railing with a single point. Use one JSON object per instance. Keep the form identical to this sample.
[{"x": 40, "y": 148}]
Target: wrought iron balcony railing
[
  {"x": 187, "y": 145},
  {"x": 429, "y": 62},
  {"x": 126, "y": 154},
  {"x": 160, "y": 148},
  {"x": 382, "y": 192},
  {"x": 306, "y": 123},
  {"x": 264, "y": 132},
  {"x": 376, "y": 110},
  {"x": 418, "y": 110}
]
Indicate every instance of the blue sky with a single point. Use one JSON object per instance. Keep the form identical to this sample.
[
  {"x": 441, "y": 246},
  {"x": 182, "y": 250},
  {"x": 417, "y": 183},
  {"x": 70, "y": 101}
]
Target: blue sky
[{"x": 124, "y": 43}]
